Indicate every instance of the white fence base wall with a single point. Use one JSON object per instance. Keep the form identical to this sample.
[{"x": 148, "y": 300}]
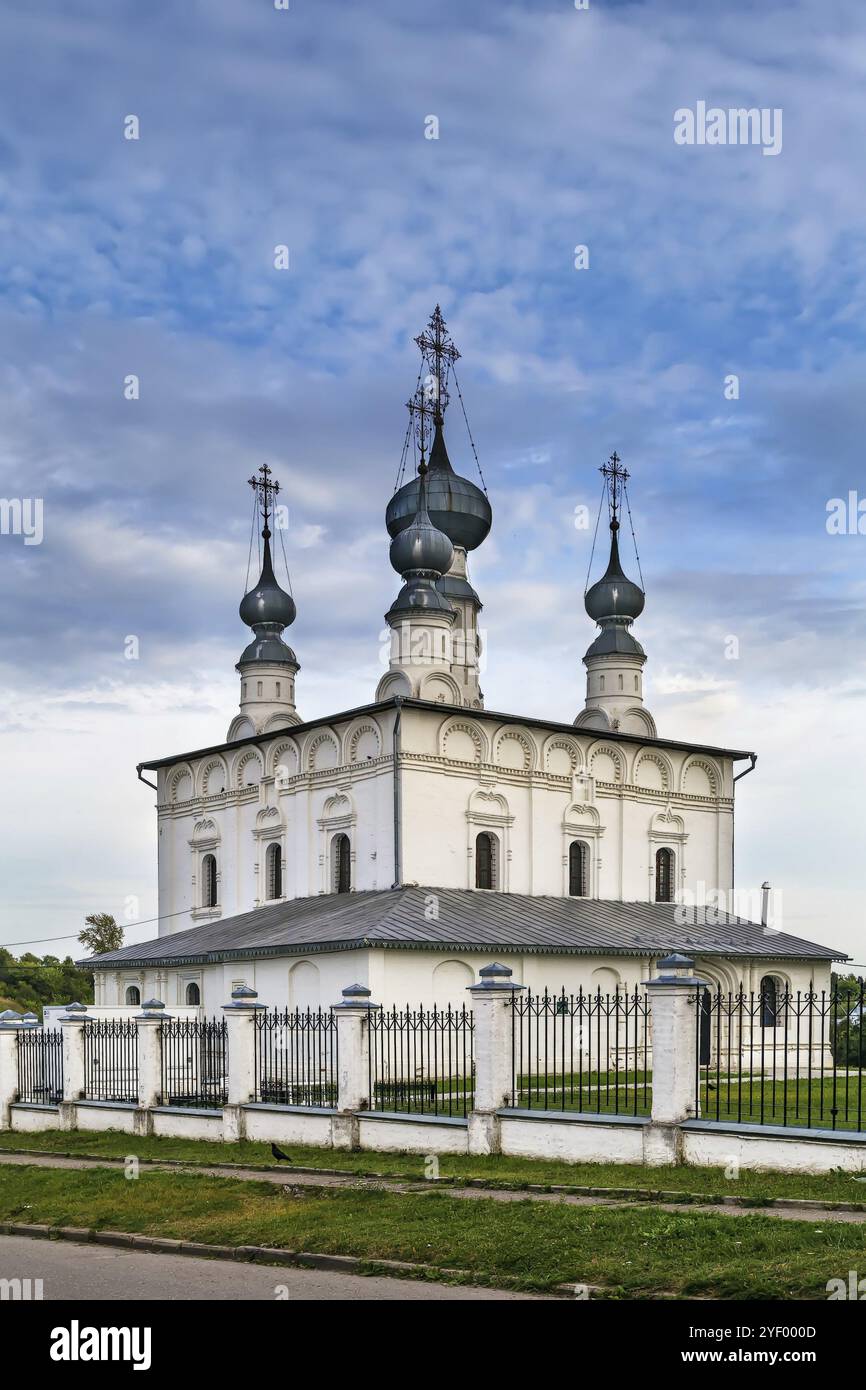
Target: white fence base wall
[
  {"x": 769, "y": 1149},
  {"x": 99, "y": 1116},
  {"x": 177, "y": 1123},
  {"x": 30, "y": 1119},
  {"x": 414, "y": 1134},
  {"x": 558, "y": 1135},
  {"x": 522, "y": 1134},
  {"x": 275, "y": 1125}
]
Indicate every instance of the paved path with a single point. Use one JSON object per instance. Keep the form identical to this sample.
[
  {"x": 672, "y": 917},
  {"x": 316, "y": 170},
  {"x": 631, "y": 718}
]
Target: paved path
[
  {"x": 76, "y": 1273},
  {"x": 288, "y": 1178}
]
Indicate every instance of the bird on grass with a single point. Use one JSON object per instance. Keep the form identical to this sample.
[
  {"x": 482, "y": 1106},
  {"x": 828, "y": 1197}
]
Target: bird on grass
[{"x": 278, "y": 1154}]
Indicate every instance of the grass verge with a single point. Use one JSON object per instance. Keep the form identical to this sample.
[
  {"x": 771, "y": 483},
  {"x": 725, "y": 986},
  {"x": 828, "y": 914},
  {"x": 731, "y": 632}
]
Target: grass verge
[
  {"x": 708, "y": 1182},
  {"x": 631, "y": 1252}
]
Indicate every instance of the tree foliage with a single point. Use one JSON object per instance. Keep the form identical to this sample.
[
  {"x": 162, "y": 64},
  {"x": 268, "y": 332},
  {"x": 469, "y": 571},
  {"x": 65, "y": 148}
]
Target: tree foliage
[
  {"x": 28, "y": 982},
  {"x": 101, "y": 933}
]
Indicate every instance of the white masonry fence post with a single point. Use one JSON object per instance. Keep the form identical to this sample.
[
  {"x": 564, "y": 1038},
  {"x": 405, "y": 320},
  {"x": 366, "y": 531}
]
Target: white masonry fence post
[
  {"x": 11, "y": 1024},
  {"x": 240, "y": 1017},
  {"x": 672, "y": 997},
  {"x": 149, "y": 1063},
  {"x": 493, "y": 1007},
  {"x": 352, "y": 1018},
  {"x": 72, "y": 1026}
]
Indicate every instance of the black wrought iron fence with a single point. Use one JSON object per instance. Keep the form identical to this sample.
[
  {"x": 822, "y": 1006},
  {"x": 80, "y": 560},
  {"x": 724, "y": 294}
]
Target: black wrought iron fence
[
  {"x": 111, "y": 1059},
  {"x": 776, "y": 1058},
  {"x": 40, "y": 1065},
  {"x": 583, "y": 1052},
  {"x": 194, "y": 1062},
  {"x": 422, "y": 1061},
  {"x": 296, "y": 1057}
]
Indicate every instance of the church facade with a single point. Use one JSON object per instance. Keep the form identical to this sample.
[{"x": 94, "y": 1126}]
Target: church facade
[{"x": 403, "y": 844}]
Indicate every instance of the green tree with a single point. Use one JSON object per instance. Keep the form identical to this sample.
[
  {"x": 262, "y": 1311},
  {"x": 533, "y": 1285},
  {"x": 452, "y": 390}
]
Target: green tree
[
  {"x": 26, "y": 984},
  {"x": 101, "y": 933}
]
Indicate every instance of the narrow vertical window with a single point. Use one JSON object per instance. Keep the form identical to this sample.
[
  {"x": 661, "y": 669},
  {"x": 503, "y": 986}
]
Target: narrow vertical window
[
  {"x": 133, "y": 994},
  {"x": 274, "y": 871},
  {"x": 578, "y": 861},
  {"x": 485, "y": 861},
  {"x": 664, "y": 876},
  {"x": 193, "y": 993},
  {"x": 342, "y": 852},
  {"x": 769, "y": 1002},
  {"x": 209, "y": 881}
]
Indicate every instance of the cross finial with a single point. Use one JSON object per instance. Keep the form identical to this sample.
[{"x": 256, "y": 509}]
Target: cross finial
[
  {"x": 439, "y": 354},
  {"x": 421, "y": 408},
  {"x": 266, "y": 492},
  {"x": 616, "y": 478}
]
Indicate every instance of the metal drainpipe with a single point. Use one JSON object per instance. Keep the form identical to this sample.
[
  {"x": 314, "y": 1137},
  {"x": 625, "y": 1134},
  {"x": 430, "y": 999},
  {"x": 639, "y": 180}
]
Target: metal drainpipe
[
  {"x": 398, "y": 796},
  {"x": 744, "y": 773},
  {"x": 144, "y": 779}
]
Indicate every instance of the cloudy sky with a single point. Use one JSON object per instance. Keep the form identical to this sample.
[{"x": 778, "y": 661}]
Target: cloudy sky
[{"x": 307, "y": 128}]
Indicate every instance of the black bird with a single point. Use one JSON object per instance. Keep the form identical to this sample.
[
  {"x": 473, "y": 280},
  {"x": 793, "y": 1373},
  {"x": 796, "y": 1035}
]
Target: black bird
[{"x": 278, "y": 1153}]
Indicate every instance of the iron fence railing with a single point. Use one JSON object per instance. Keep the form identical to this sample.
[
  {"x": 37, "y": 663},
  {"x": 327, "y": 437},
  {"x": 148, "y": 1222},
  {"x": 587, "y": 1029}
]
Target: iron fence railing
[
  {"x": 296, "y": 1057},
  {"x": 40, "y": 1065},
  {"x": 583, "y": 1052},
  {"x": 194, "y": 1062},
  {"x": 111, "y": 1059},
  {"x": 773, "y": 1058},
  {"x": 422, "y": 1061}
]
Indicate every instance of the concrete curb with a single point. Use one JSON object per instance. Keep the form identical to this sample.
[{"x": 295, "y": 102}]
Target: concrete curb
[
  {"x": 267, "y": 1254},
  {"x": 612, "y": 1194}
]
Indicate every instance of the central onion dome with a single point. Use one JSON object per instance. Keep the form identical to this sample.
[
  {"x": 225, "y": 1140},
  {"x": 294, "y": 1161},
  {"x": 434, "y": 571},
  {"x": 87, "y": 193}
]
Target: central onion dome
[
  {"x": 421, "y": 553},
  {"x": 455, "y": 505},
  {"x": 267, "y": 609}
]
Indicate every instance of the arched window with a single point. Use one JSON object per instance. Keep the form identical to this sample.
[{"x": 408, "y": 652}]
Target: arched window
[
  {"x": 133, "y": 995},
  {"x": 664, "y": 876},
  {"x": 769, "y": 1002},
  {"x": 342, "y": 863},
  {"x": 193, "y": 993},
  {"x": 485, "y": 861},
  {"x": 274, "y": 871},
  {"x": 578, "y": 862},
  {"x": 209, "y": 881}
]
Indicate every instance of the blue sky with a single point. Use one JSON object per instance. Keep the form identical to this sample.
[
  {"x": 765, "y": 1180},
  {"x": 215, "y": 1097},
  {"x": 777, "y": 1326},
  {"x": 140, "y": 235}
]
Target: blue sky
[{"x": 306, "y": 128}]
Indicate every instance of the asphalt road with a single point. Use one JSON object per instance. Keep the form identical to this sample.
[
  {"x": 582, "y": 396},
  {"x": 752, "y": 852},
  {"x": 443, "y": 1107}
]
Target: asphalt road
[{"x": 72, "y": 1273}]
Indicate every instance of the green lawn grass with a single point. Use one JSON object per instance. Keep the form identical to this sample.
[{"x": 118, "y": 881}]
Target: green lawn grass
[
  {"x": 631, "y": 1252},
  {"x": 832, "y": 1187}
]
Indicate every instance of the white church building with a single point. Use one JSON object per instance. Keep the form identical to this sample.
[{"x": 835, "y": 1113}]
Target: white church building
[{"x": 406, "y": 843}]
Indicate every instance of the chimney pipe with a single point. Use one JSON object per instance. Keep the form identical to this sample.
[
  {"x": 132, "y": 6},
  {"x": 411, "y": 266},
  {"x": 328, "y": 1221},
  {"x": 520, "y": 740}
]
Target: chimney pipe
[{"x": 765, "y": 903}]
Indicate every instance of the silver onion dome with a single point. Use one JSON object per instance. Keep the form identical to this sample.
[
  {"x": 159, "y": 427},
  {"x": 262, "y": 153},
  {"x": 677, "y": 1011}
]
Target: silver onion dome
[
  {"x": 267, "y": 609},
  {"x": 455, "y": 505},
  {"x": 614, "y": 598},
  {"x": 421, "y": 554}
]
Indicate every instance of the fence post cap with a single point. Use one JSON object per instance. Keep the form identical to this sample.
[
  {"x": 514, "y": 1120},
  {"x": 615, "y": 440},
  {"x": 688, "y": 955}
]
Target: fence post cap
[
  {"x": 495, "y": 976},
  {"x": 10, "y": 1019},
  {"x": 30, "y": 1018},
  {"x": 356, "y": 997},
  {"x": 152, "y": 1011},
  {"x": 243, "y": 1000},
  {"x": 76, "y": 1008},
  {"x": 674, "y": 969}
]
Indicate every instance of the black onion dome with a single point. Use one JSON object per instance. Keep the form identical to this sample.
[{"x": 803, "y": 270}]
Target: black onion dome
[
  {"x": 614, "y": 597},
  {"x": 456, "y": 506},
  {"x": 267, "y": 602}
]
